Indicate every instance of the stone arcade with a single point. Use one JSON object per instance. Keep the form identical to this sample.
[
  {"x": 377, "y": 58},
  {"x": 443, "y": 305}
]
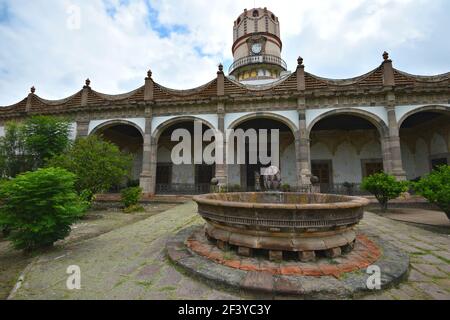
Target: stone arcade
[{"x": 338, "y": 130}]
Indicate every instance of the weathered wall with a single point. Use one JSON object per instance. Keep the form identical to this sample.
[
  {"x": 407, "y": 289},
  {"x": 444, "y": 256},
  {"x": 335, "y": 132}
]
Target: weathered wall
[
  {"x": 346, "y": 150},
  {"x": 423, "y": 143}
]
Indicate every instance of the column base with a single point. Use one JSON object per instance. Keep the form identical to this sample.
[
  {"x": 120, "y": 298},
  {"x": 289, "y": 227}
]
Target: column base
[{"x": 146, "y": 183}]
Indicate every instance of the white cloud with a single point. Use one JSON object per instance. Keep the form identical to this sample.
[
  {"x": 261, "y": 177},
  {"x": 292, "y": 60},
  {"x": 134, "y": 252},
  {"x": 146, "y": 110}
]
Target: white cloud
[{"x": 118, "y": 41}]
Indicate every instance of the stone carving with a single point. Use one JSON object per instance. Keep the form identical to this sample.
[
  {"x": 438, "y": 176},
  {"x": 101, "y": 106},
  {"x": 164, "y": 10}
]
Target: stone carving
[{"x": 271, "y": 178}]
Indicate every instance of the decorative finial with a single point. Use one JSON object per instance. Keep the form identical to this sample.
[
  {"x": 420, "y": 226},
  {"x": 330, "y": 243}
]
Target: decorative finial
[
  {"x": 87, "y": 82},
  {"x": 300, "y": 61},
  {"x": 33, "y": 89},
  {"x": 220, "y": 67},
  {"x": 385, "y": 56},
  {"x": 149, "y": 74}
]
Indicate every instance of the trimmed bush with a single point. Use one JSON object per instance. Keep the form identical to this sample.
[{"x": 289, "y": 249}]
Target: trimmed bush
[
  {"x": 436, "y": 188},
  {"x": 286, "y": 187},
  {"x": 384, "y": 187},
  {"x": 39, "y": 207},
  {"x": 131, "y": 197}
]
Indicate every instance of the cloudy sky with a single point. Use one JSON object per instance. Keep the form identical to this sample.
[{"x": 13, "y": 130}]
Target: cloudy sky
[{"x": 56, "y": 44}]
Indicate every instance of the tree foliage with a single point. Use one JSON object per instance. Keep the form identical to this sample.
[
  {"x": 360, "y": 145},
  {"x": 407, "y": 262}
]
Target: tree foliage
[
  {"x": 436, "y": 188},
  {"x": 46, "y": 137},
  {"x": 38, "y": 208},
  {"x": 28, "y": 146},
  {"x": 97, "y": 164},
  {"x": 13, "y": 156},
  {"x": 384, "y": 187}
]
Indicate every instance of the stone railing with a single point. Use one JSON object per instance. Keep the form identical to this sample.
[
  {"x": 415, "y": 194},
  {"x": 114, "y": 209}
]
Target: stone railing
[
  {"x": 183, "y": 188},
  {"x": 263, "y": 58}
]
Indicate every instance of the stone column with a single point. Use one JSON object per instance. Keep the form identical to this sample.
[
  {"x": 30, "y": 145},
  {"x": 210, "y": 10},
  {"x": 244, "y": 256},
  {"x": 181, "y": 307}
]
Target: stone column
[
  {"x": 302, "y": 149},
  {"x": 146, "y": 179},
  {"x": 148, "y": 174},
  {"x": 386, "y": 153},
  {"x": 82, "y": 128},
  {"x": 221, "y": 168},
  {"x": 396, "y": 164}
]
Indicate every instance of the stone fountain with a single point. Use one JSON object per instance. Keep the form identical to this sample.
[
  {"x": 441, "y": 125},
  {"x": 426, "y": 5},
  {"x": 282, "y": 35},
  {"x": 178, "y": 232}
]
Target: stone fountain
[
  {"x": 309, "y": 238},
  {"x": 277, "y": 222}
]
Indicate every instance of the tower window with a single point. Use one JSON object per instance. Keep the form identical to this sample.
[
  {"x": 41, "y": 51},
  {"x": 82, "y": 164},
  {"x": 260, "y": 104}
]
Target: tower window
[
  {"x": 273, "y": 17},
  {"x": 255, "y": 13},
  {"x": 238, "y": 20}
]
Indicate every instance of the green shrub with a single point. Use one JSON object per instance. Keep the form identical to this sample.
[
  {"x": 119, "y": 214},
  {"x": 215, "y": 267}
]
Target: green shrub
[
  {"x": 39, "y": 207},
  {"x": 286, "y": 187},
  {"x": 436, "y": 188},
  {"x": 97, "y": 164},
  {"x": 131, "y": 196},
  {"x": 384, "y": 187}
]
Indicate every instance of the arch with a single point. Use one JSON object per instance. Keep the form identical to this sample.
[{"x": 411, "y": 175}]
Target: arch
[
  {"x": 372, "y": 118},
  {"x": 437, "y": 108},
  {"x": 112, "y": 123},
  {"x": 168, "y": 123},
  {"x": 265, "y": 115}
]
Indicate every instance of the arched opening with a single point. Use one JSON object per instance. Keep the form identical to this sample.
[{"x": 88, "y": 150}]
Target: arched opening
[
  {"x": 246, "y": 176},
  {"x": 129, "y": 139},
  {"x": 425, "y": 141},
  {"x": 344, "y": 149},
  {"x": 186, "y": 178}
]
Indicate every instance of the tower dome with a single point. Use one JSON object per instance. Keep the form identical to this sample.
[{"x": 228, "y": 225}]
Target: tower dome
[{"x": 257, "y": 46}]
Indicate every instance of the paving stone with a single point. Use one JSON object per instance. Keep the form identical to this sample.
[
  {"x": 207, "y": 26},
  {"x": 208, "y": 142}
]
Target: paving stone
[
  {"x": 433, "y": 290},
  {"x": 258, "y": 280},
  {"x": 428, "y": 258},
  {"x": 429, "y": 270},
  {"x": 148, "y": 272},
  {"x": 444, "y": 254},
  {"x": 136, "y": 249},
  {"x": 444, "y": 284},
  {"x": 423, "y": 246},
  {"x": 417, "y": 276},
  {"x": 409, "y": 290},
  {"x": 445, "y": 268}
]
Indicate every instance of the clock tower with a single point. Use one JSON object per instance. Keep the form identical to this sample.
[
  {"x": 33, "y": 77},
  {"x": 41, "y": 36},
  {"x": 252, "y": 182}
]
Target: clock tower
[{"x": 257, "y": 46}]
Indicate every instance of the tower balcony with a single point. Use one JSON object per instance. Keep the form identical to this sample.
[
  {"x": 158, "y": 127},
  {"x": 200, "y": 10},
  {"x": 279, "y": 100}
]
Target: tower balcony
[{"x": 258, "y": 59}]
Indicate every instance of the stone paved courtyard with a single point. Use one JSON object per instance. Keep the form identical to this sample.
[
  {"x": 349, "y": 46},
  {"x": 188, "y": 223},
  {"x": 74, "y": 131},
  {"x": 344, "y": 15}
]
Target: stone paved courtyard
[{"x": 130, "y": 263}]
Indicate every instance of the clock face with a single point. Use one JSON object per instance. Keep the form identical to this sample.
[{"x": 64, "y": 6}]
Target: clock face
[{"x": 256, "y": 48}]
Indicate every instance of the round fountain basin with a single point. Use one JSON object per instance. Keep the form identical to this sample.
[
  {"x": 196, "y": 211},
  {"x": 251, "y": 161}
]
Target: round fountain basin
[{"x": 282, "y": 221}]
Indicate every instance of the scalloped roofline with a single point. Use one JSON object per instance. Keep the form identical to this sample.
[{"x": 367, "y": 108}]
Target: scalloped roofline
[
  {"x": 186, "y": 92},
  {"x": 261, "y": 87},
  {"x": 346, "y": 81},
  {"x": 58, "y": 101},
  {"x": 250, "y": 87},
  {"x": 433, "y": 78},
  {"x": 116, "y": 97}
]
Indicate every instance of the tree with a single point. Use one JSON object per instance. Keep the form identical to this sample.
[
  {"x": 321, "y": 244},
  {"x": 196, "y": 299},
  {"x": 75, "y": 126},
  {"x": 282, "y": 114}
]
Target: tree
[
  {"x": 46, "y": 137},
  {"x": 13, "y": 156},
  {"x": 97, "y": 164},
  {"x": 384, "y": 187},
  {"x": 436, "y": 188},
  {"x": 38, "y": 208}
]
